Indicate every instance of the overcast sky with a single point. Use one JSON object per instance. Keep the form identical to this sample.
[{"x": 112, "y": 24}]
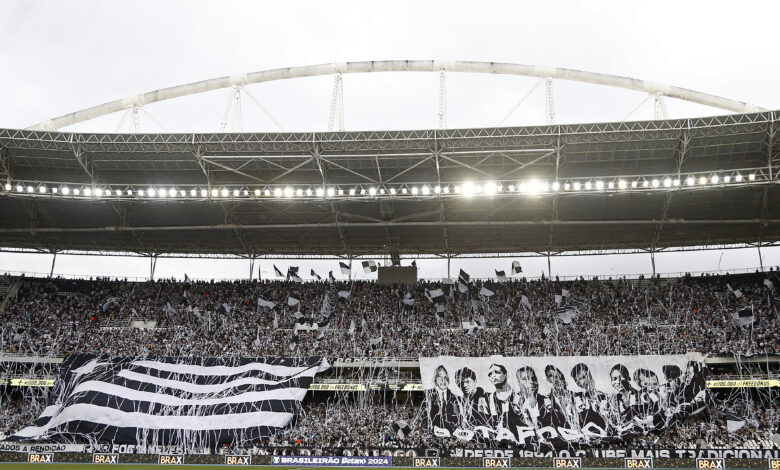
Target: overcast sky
[{"x": 57, "y": 57}]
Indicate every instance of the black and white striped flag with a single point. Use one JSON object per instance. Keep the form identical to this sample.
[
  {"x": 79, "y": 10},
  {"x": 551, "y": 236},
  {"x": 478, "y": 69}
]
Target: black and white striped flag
[
  {"x": 278, "y": 272},
  {"x": 189, "y": 402},
  {"x": 345, "y": 270},
  {"x": 516, "y": 268},
  {"x": 500, "y": 275},
  {"x": 319, "y": 278}
]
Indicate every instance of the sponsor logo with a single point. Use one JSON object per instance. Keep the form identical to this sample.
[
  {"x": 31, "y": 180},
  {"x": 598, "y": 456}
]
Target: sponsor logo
[
  {"x": 426, "y": 462},
  {"x": 496, "y": 462},
  {"x": 321, "y": 461},
  {"x": 710, "y": 464},
  {"x": 105, "y": 458},
  {"x": 774, "y": 464},
  {"x": 36, "y": 457},
  {"x": 567, "y": 462},
  {"x": 167, "y": 459},
  {"x": 238, "y": 460},
  {"x": 638, "y": 463}
]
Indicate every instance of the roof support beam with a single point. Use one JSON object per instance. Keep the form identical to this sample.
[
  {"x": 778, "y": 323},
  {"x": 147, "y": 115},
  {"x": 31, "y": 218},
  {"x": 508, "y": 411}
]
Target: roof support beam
[
  {"x": 680, "y": 153},
  {"x": 323, "y": 225},
  {"x": 321, "y": 165}
]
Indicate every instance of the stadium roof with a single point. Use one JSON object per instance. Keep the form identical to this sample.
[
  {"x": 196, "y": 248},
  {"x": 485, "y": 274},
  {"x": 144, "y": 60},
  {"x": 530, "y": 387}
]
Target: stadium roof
[{"x": 544, "y": 189}]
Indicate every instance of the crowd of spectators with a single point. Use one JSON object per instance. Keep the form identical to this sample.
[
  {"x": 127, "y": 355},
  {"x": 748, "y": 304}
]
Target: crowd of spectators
[
  {"x": 659, "y": 316},
  {"x": 46, "y": 317}
]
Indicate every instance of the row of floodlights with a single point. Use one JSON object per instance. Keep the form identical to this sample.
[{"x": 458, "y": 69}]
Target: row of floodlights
[{"x": 466, "y": 189}]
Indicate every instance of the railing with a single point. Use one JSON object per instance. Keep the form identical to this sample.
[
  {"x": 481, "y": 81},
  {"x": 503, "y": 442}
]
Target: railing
[{"x": 665, "y": 275}]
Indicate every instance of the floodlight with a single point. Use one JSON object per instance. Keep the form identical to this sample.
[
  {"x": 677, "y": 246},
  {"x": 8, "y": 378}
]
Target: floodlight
[
  {"x": 645, "y": 184},
  {"x": 288, "y": 192},
  {"x": 556, "y": 186},
  {"x": 676, "y": 182},
  {"x": 738, "y": 178},
  {"x": 257, "y": 193},
  {"x": 308, "y": 191},
  {"x": 404, "y": 191},
  {"x": 656, "y": 183},
  {"x": 341, "y": 192},
  {"x": 224, "y": 192},
  {"x": 87, "y": 192},
  {"x": 42, "y": 189},
  {"x": 437, "y": 189},
  {"x": 622, "y": 184},
  {"x": 172, "y": 192},
  {"x": 668, "y": 182},
  {"x": 266, "y": 192},
  {"x": 372, "y": 191},
  {"x": 634, "y": 184},
  {"x": 599, "y": 185},
  {"x": 98, "y": 192},
  {"x": 576, "y": 185},
  {"x": 752, "y": 177},
  {"x": 214, "y": 192},
  {"x": 363, "y": 191},
  {"x": 446, "y": 190},
  {"x": 415, "y": 190},
  {"x": 392, "y": 191},
  {"x": 690, "y": 181},
  {"x": 566, "y": 186},
  {"x": 320, "y": 192},
  {"x": 715, "y": 179},
  {"x": 30, "y": 189},
  {"x": 611, "y": 185},
  {"x": 331, "y": 192},
  {"x": 54, "y": 190},
  {"x": 426, "y": 190},
  {"x": 521, "y": 187},
  {"x": 702, "y": 180},
  {"x": 299, "y": 192},
  {"x": 278, "y": 192},
  {"x": 7, "y": 187},
  {"x": 468, "y": 189},
  {"x": 203, "y": 193},
  {"x": 727, "y": 179},
  {"x": 587, "y": 185},
  {"x": 19, "y": 188},
  {"x": 352, "y": 191},
  {"x": 490, "y": 188},
  {"x": 76, "y": 192}
]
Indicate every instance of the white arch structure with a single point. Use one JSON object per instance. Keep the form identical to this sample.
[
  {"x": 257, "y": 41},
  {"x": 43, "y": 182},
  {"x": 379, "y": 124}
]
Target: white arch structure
[{"x": 397, "y": 66}]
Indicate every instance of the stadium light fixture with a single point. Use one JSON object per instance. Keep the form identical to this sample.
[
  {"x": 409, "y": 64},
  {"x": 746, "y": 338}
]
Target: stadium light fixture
[
  {"x": 30, "y": 189},
  {"x": 278, "y": 192},
  {"x": 587, "y": 185},
  {"x": 715, "y": 179},
  {"x": 415, "y": 190},
  {"x": 341, "y": 192},
  {"x": 446, "y": 189},
  {"x": 331, "y": 192},
  {"x": 299, "y": 192},
  {"x": 599, "y": 185},
  {"x": 738, "y": 177},
  {"x": 702, "y": 180},
  {"x": 87, "y": 192},
  {"x": 42, "y": 189},
  {"x": 392, "y": 191},
  {"x": 183, "y": 193},
  {"x": 690, "y": 181},
  {"x": 372, "y": 191},
  {"x": 490, "y": 188},
  {"x": 566, "y": 186},
  {"x": 267, "y": 192},
  {"x": 320, "y": 192},
  {"x": 19, "y": 188},
  {"x": 172, "y": 192},
  {"x": 437, "y": 189},
  {"x": 521, "y": 187},
  {"x": 203, "y": 193},
  {"x": 468, "y": 189},
  {"x": 351, "y": 191},
  {"x": 257, "y": 193},
  {"x": 7, "y": 187},
  {"x": 76, "y": 192},
  {"x": 426, "y": 190},
  {"x": 577, "y": 185},
  {"x": 556, "y": 186},
  {"x": 727, "y": 179},
  {"x": 224, "y": 192},
  {"x": 404, "y": 191},
  {"x": 622, "y": 184},
  {"x": 656, "y": 183},
  {"x": 676, "y": 182},
  {"x": 246, "y": 193},
  {"x": 235, "y": 193},
  {"x": 752, "y": 177},
  {"x": 54, "y": 190},
  {"x": 214, "y": 192},
  {"x": 611, "y": 185},
  {"x": 308, "y": 191},
  {"x": 457, "y": 189},
  {"x": 634, "y": 184},
  {"x": 161, "y": 193},
  {"x": 98, "y": 192},
  {"x": 288, "y": 192},
  {"x": 363, "y": 191},
  {"x": 645, "y": 184}
]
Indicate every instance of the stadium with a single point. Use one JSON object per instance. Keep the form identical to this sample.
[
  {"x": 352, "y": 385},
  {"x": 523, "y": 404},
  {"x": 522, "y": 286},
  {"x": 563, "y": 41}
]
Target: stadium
[{"x": 313, "y": 369}]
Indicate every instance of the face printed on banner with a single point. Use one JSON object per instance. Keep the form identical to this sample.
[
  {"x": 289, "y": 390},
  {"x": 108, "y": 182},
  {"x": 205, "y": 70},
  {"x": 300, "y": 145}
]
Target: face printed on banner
[
  {"x": 526, "y": 378},
  {"x": 618, "y": 376},
  {"x": 647, "y": 380},
  {"x": 581, "y": 375},
  {"x": 556, "y": 378},
  {"x": 497, "y": 375},
  {"x": 441, "y": 380}
]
